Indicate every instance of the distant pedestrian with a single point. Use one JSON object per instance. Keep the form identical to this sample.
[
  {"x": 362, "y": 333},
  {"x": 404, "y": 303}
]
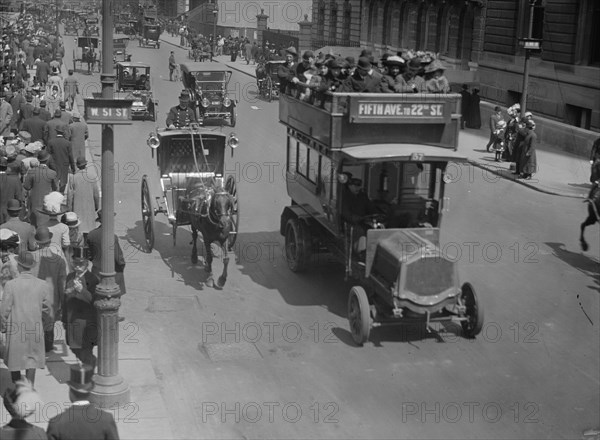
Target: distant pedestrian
[
  {"x": 248, "y": 49},
  {"x": 26, "y": 310},
  {"x": 39, "y": 181},
  {"x": 25, "y": 231},
  {"x": 79, "y": 133},
  {"x": 474, "y": 120},
  {"x": 82, "y": 420},
  {"x": 62, "y": 153},
  {"x": 528, "y": 154},
  {"x": 71, "y": 86},
  {"x": 172, "y": 65},
  {"x": 10, "y": 188},
  {"x": 495, "y": 118}
]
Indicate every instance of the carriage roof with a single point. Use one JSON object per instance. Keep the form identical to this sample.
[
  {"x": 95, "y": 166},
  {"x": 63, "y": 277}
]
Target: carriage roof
[
  {"x": 127, "y": 64},
  {"x": 203, "y": 67}
]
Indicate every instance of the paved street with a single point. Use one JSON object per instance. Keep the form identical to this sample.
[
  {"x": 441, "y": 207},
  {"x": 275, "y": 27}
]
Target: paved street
[{"x": 271, "y": 355}]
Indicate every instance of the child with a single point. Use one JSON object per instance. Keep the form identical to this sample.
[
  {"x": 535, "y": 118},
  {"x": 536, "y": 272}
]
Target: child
[{"x": 499, "y": 140}]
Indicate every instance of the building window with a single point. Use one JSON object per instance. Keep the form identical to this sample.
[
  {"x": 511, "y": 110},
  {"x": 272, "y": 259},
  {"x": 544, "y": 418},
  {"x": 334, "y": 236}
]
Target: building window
[
  {"x": 372, "y": 19},
  {"x": 595, "y": 35},
  {"x": 347, "y": 22},
  {"x": 387, "y": 23},
  {"x": 403, "y": 25},
  {"x": 578, "y": 116},
  {"x": 421, "y": 37},
  {"x": 321, "y": 20},
  {"x": 333, "y": 17}
]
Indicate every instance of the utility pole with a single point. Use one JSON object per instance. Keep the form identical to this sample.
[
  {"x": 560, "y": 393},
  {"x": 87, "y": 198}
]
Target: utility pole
[{"x": 527, "y": 56}]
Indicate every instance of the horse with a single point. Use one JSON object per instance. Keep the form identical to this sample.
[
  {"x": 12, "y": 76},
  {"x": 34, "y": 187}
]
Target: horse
[
  {"x": 593, "y": 201},
  {"x": 210, "y": 214}
]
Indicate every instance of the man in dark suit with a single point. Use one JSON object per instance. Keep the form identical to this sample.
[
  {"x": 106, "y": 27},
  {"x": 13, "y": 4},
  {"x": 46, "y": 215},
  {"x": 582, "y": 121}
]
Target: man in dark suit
[
  {"x": 26, "y": 110},
  {"x": 62, "y": 153},
  {"x": 494, "y": 119},
  {"x": 44, "y": 113},
  {"x": 36, "y": 126},
  {"x": 10, "y": 188},
  {"x": 54, "y": 123},
  {"x": 14, "y": 223},
  {"x": 39, "y": 181},
  {"x": 364, "y": 80},
  {"x": 94, "y": 241},
  {"x": 82, "y": 420}
]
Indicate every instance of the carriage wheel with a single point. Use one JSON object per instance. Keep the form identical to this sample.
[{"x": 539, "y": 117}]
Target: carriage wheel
[
  {"x": 474, "y": 313},
  {"x": 147, "y": 214},
  {"x": 231, "y": 188},
  {"x": 269, "y": 89},
  {"x": 359, "y": 315},
  {"x": 297, "y": 245}
]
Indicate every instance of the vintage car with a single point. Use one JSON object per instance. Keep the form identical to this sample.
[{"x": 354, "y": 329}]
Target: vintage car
[
  {"x": 71, "y": 28},
  {"x": 133, "y": 82},
  {"x": 150, "y": 35},
  {"x": 207, "y": 86}
]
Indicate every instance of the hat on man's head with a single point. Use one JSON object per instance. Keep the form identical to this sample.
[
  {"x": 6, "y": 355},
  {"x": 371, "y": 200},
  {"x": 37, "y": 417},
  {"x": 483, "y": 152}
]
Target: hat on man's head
[
  {"x": 36, "y": 110},
  {"x": 530, "y": 123},
  {"x": 80, "y": 254},
  {"x": 292, "y": 50},
  {"x": 29, "y": 97},
  {"x": 81, "y": 378},
  {"x": 22, "y": 400},
  {"x": 13, "y": 205},
  {"x": 60, "y": 129},
  {"x": 308, "y": 54},
  {"x": 364, "y": 64},
  {"x": 81, "y": 162},
  {"x": 43, "y": 235},
  {"x": 351, "y": 61},
  {"x": 70, "y": 219},
  {"x": 76, "y": 116},
  {"x": 57, "y": 113},
  {"x": 62, "y": 105},
  {"x": 25, "y": 136},
  {"x": 26, "y": 260},
  {"x": 44, "y": 156},
  {"x": 334, "y": 63},
  {"x": 42, "y": 103},
  {"x": 184, "y": 95}
]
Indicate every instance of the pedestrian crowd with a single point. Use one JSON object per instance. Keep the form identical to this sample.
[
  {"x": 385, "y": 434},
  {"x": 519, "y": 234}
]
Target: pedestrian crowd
[{"x": 50, "y": 240}]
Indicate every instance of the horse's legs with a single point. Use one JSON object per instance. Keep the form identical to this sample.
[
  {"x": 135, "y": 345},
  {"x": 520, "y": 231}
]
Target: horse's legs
[
  {"x": 590, "y": 220},
  {"x": 223, "y": 278},
  {"x": 194, "y": 248},
  {"x": 208, "y": 262}
]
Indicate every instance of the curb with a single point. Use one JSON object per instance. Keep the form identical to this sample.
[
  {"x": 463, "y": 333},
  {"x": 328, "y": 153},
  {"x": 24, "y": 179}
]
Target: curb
[
  {"x": 523, "y": 182},
  {"x": 216, "y": 61}
]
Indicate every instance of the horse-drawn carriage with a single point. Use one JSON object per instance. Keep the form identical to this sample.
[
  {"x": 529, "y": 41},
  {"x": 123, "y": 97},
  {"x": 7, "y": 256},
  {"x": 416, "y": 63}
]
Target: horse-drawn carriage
[
  {"x": 397, "y": 148},
  {"x": 150, "y": 35},
  {"x": 87, "y": 52},
  {"x": 194, "y": 190},
  {"x": 267, "y": 79},
  {"x": 207, "y": 86},
  {"x": 199, "y": 52}
]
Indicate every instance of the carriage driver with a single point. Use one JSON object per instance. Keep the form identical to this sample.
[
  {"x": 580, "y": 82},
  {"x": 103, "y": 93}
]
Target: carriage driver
[{"x": 181, "y": 115}]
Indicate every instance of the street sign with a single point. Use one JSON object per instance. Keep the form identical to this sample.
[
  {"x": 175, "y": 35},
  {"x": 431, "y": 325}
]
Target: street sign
[
  {"x": 404, "y": 110},
  {"x": 533, "y": 44},
  {"x": 108, "y": 111}
]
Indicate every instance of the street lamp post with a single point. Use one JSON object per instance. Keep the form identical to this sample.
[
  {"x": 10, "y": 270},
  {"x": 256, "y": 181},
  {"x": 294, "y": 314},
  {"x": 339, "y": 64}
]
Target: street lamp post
[
  {"x": 110, "y": 388},
  {"x": 215, "y": 16},
  {"x": 527, "y": 55}
]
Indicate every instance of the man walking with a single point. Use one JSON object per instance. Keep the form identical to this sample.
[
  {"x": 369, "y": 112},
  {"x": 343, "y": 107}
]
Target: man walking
[
  {"x": 39, "y": 181},
  {"x": 25, "y": 231},
  {"x": 172, "y": 65},
  {"x": 495, "y": 118},
  {"x": 71, "y": 86},
  {"x": 79, "y": 134},
  {"x": 6, "y": 115},
  {"x": 83, "y": 197},
  {"x": 60, "y": 150},
  {"x": 36, "y": 126},
  {"x": 26, "y": 311},
  {"x": 10, "y": 188}
]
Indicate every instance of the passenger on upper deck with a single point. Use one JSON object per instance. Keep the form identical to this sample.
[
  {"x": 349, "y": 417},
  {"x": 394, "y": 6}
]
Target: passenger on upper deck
[
  {"x": 286, "y": 72},
  {"x": 306, "y": 66},
  {"x": 394, "y": 78},
  {"x": 364, "y": 80},
  {"x": 435, "y": 81},
  {"x": 414, "y": 82},
  {"x": 181, "y": 115},
  {"x": 349, "y": 67},
  {"x": 333, "y": 79}
]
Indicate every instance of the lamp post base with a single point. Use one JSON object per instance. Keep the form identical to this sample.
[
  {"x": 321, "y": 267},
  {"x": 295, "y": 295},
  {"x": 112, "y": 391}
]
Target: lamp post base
[{"x": 110, "y": 391}]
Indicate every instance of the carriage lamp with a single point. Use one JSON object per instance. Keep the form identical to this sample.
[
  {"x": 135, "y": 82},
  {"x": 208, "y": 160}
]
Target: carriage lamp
[
  {"x": 227, "y": 102},
  {"x": 205, "y": 102},
  {"x": 233, "y": 141},
  {"x": 342, "y": 178},
  {"x": 153, "y": 141}
]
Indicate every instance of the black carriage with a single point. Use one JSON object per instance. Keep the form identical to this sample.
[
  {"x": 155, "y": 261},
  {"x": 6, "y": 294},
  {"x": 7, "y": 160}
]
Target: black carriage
[
  {"x": 267, "y": 79},
  {"x": 387, "y": 233},
  {"x": 185, "y": 158},
  {"x": 87, "y": 54},
  {"x": 150, "y": 35},
  {"x": 207, "y": 85}
]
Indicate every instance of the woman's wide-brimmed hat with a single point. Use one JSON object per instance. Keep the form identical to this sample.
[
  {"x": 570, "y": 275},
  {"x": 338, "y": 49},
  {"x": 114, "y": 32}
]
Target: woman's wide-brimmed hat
[
  {"x": 434, "y": 66},
  {"x": 22, "y": 400},
  {"x": 53, "y": 204}
]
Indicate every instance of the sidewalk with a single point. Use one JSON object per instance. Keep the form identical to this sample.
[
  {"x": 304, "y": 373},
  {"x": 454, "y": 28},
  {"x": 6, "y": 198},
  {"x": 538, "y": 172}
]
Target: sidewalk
[{"x": 559, "y": 173}]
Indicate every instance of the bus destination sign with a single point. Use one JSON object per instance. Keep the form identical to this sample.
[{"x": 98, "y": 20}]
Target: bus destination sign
[{"x": 376, "y": 112}]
